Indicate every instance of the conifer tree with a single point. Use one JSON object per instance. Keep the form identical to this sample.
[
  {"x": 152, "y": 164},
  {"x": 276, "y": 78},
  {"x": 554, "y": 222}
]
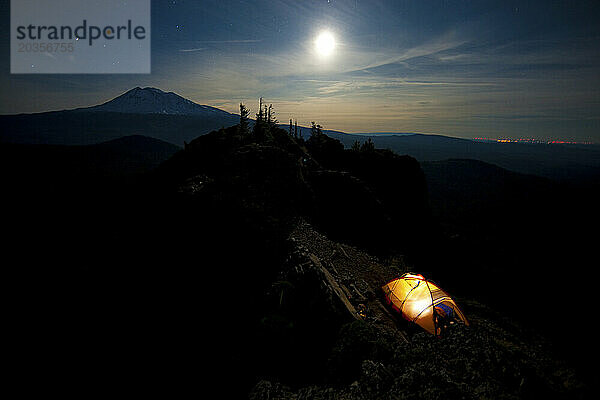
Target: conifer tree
[
  {"x": 315, "y": 129},
  {"x": 271, "y": 120},
  {"x": 258, "y": 125},
  {"x": 259, "y": 114},
  {"x": 368, "y": 145},
  {"x": 265, "y": 122},
  {"x": 244, "y": 112}
]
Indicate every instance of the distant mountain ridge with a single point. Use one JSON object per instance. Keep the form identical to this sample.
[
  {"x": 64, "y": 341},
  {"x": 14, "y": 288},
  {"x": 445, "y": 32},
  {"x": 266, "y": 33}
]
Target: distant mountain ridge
[
  {"x": 555, "y": 161},
  {"x": 170, "y": 117},
  {"x": 151, "y": 100},
  {"x": 140, "y": 111}
]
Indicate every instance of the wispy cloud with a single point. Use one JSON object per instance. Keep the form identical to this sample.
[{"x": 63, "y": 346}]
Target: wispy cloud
[
  {"x": 193, "y": 50},
  {"x": 383, "y": 83},
  {"x": 380, "y": 58},
  {"x": 198, "y": 44},
  {"x": 229, "y": 41}
]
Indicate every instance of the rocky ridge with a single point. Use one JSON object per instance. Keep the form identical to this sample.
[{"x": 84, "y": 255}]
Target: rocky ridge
[{"x": 379, "y": 355}]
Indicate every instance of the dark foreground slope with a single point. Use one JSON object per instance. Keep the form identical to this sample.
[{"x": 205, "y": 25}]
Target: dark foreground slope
[
  {"x": 161, "y": 260},
  {"x": 518, "y": 238},
  {"x": 59, "y": 202},
  {"x": 495, "y": 357},
  {"x": 118, "y": 157},
  {"x": 237, "y": 267}
]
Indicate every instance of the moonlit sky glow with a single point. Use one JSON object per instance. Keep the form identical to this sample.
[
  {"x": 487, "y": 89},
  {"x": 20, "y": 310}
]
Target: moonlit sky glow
[
  {"x": 325, "y": 43},
  {"x": 468, "y": 68}
]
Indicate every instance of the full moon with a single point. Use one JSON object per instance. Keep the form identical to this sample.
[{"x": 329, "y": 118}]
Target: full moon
[{"x": 325, "y": 43}]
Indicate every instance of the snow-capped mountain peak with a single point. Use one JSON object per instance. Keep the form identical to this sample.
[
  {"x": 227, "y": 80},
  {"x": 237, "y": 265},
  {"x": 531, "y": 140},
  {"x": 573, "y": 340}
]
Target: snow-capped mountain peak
[{"x": 151, "y": 100}]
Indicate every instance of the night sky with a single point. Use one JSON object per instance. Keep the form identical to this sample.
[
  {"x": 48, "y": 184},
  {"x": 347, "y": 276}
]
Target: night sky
[{"x": 509, "y": 69}]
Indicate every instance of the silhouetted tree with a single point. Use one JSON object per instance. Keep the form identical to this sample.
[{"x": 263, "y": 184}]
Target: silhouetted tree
[
  {"x": 244, "y": 112},
  {"x": 265, "y": 122},
  {"x": 259, "y": 125},
  {"x": 259, "y": 116},
  {"x": 368, "y": 145},
  {"x": 271, "y": 120},
  {"x": 355, "y": 146},
  {"x": 315, "y": 129},
  {"x": 324, "y": 149}
]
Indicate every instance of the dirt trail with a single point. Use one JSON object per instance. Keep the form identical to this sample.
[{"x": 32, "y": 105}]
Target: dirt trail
[{"x": 357, "y": 274}]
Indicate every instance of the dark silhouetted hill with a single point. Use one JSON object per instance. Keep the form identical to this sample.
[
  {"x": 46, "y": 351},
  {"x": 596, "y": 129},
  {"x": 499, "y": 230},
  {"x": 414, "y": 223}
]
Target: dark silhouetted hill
[
  {"x": 377, "y": 200},
  {"x": 122, "y": 156},
  {"x": 87, "y": 127},
  {"x": 580, "y": 163}
]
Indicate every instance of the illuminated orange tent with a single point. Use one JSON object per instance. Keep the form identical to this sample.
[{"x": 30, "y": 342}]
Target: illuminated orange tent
[{"x": 423, "y": 302}]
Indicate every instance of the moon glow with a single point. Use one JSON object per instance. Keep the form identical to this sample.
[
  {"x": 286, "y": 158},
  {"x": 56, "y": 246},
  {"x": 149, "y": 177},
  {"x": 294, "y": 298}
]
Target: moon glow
[{"x": 325, "y": 43}]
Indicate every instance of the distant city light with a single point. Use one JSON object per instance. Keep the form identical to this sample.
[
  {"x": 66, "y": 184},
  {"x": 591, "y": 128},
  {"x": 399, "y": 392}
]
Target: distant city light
[{"x": 528, "y": 140}]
